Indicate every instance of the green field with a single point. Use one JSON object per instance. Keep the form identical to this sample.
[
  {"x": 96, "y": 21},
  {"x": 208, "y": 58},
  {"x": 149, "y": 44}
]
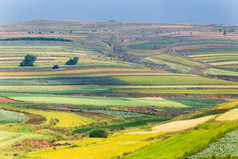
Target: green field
[
  {"x": 179, "y": 60},
  {"x": 177, "y": 146},
  {"x": 177, "y": 91},
  {"x": 170, "y": 80},
  {"x": 214, "y": 71},
  {"x": 97, "y": 101},
  {"x": 207, "y": 42}
]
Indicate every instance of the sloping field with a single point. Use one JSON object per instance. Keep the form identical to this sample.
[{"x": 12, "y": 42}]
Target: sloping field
[
  {"x": 55, "y": 89},
  {"x": 8, "y": 138},
  {"x": 231, "y": 104},
  {"x": 181, "y": 125},
  {"x": 224, "y": 146},
  {"x": 205, "y": 46},
  {"x": 98, "y": 148},
  {"x": 228, "y": 116},
  {"x": 176, "y": 146},
  {"x": 179, "y": 60},
  {"x": 64, "y": 80},
  {"x": 98, "y": 101},
  {"x": 177, "y": 91},
  {"x": 169, "y": 64},
  {"x": 223, "y": 63},
  {"x": 113, "y": 101},
  {"x": 214, "y": 71},
  {"x": 220, "y": 59},
  {"x": 170, "y": 80},
  {"x": 59, "y": 119},
  {"x": 11, "y": 117},
  {"x": 213, "y": 55},
  {"x": 207, "y": 42},
  {"x": 70, "y": 72},
  {"x": 206, "y": 51},
  {"x": 176, "y": 125}
]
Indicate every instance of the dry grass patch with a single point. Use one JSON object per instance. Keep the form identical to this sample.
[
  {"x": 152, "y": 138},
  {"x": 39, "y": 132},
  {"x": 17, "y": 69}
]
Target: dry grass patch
[
  {"x": 176, "y": 125},
  {"x": 228, "y": 116}
]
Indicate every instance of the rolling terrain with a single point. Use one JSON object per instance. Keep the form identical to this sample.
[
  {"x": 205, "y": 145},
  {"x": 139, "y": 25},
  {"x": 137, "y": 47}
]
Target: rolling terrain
[{"x": 159, "y": 90}]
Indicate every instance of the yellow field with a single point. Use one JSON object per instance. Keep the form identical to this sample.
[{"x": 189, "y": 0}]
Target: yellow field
[
  {"x": 228, "y": 116},
  {"x": 97, "y": 148},
  {"x": 61, "y": 119},
  {"x": 231, "y": 104}
]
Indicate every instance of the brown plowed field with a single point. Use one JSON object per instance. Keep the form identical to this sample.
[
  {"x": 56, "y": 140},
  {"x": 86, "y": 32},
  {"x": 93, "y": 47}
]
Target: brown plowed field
[
  {"x": 6, "y": 100},
  {"x": 205, "y": 46}
]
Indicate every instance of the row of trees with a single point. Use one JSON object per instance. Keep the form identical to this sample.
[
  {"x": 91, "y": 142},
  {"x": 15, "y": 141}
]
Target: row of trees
[
  {"x": 30, "y": 59},
  {"x": 36, "y": 39}
]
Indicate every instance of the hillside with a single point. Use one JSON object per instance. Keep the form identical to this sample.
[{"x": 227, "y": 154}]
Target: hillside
[{"x": 129, "y": 80}]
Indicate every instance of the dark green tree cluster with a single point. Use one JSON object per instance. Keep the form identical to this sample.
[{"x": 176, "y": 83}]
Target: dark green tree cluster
[
  {"x": 72, "y": 61},
  {"x": 28, "y": 61},
  {"x": 36, "y": 39},
  {"x": 98, "y": 133}
]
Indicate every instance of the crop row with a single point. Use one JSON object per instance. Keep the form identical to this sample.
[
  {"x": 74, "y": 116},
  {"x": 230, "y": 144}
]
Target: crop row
[
  {"x": 213, "y": 71},
  {"x": 62, "y": 81},
  {"x": 172, "y": 80},
  {"x": 179, "y": 60},
  {"x": 185, "y": 144},
  {"x": 173, "y": 66},
  {"x": 207, "y": 50},
  {"x": 207, "y": 42},
  {"x": 109, "y": 101},
  {"x": 224, "y": 146},
  {"x": 178, "y": 91},
  {"x": 121, "y": 114}
]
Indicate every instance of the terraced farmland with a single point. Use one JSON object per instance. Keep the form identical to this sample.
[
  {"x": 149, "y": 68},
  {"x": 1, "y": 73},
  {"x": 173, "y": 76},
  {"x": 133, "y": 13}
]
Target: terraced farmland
[
  {"x": 58, "y": 119},
  {"x": 156, "y": 90}
]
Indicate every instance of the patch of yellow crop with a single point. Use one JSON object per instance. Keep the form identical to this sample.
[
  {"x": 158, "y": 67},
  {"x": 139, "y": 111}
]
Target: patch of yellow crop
[
  {"x": 95, "y": 148},
  {"x": 231, "y": 104},
  {"x": 61, "y": 119},
  {"x": 231, "y": 115}
]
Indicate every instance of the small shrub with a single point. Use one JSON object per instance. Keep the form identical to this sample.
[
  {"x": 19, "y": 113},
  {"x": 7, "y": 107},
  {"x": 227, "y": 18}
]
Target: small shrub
[
  {"x": 98, "y": 133},
  {"x": 55, "y": 67}
]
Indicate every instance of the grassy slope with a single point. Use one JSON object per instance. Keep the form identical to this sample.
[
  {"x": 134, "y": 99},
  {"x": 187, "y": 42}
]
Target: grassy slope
[
  {"x": 177, "y": 145},
  {"x": 172, "y": 80}
]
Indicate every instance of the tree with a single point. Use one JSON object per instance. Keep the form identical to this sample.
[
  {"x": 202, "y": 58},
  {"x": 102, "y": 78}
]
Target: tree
[
  {"x": 29, "y": 60},
  {"x": 73, "y": 61},
  {"x": 98, "y": 133},
  {"x": 225, "y": 32}
]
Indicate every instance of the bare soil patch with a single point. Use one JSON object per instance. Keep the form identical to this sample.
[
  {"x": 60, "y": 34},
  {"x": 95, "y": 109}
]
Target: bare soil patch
[{"x": 7, "y": 100}]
